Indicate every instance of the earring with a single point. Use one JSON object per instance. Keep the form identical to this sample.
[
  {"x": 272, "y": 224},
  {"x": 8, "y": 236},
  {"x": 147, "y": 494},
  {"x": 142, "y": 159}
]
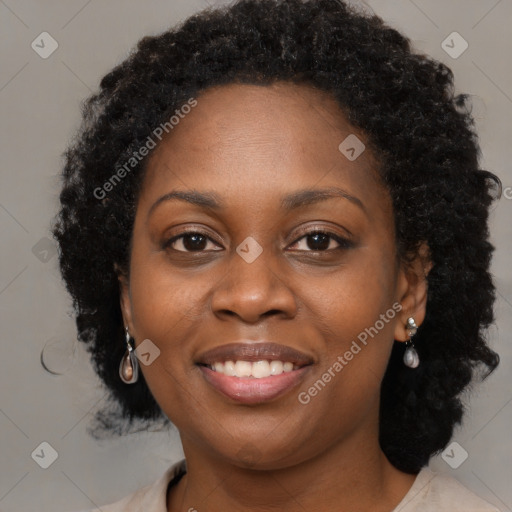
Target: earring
[
  {"x": 129, "y": 366},
  {"x": 411, "y": 358}
]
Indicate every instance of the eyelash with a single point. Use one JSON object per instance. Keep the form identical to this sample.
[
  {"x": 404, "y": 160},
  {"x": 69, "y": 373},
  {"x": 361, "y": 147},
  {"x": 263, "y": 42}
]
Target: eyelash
[{"x": 344, "y": 243}]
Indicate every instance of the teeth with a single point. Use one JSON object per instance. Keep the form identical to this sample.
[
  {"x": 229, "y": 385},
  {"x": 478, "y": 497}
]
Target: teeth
[
  {"x": 260, "y": 369},
  {"x": 243, "y": 369},
  {"x": 228, "y": 368},
  {"x": 257, "y": 370},
  {"x": 276, "y": 367}
]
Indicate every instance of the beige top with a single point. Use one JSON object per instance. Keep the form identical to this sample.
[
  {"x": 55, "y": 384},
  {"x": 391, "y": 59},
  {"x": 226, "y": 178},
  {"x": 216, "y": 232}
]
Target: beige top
[{"x": 430, "y": 492}]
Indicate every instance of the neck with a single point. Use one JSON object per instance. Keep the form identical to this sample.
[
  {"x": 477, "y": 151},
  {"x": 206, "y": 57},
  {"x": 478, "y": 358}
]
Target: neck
[{"x": 353, "y": 475}]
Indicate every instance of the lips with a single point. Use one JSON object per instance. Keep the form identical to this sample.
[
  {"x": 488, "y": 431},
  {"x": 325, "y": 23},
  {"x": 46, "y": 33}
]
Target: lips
[{"x": 242, "y": 386}]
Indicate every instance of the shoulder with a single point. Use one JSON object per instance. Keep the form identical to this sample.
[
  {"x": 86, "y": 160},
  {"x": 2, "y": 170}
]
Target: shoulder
[
  {"x": 151, "y": 498},
  {"x": 435, "y": 492}
]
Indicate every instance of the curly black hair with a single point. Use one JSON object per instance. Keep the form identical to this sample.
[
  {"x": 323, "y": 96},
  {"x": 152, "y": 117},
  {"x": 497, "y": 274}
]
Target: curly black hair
[{"x": 420, "y": 131}]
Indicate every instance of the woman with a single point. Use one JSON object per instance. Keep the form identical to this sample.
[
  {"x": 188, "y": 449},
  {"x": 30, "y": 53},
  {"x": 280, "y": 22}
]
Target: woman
[{"x": 274, "y": 229}]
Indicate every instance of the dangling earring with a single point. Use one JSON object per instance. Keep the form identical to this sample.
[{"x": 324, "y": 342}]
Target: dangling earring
[
  {"x": 411, "y": 358},
  {"x": 129, "y": 366}
]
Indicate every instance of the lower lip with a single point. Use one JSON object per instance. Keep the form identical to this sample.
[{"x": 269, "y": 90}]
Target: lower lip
[{"x": 249, "y": 390}]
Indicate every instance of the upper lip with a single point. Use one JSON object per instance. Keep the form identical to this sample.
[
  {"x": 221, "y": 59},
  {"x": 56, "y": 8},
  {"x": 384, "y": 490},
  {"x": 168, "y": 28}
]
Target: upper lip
[{"x": 254, "y": 351}]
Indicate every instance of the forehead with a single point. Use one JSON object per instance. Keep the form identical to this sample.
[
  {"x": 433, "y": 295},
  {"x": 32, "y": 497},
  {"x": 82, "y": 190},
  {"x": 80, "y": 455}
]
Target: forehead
[{"x": 247, "y": 137}]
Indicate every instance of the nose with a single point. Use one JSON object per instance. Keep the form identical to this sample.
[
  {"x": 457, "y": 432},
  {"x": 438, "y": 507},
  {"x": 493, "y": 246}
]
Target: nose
[{"x": 253, "y": 290}]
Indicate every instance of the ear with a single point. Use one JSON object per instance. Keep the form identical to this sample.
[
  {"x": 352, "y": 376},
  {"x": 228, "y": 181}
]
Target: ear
[
  {"x": 413, "y": 291},
  {"x": 125, "y": 299}
]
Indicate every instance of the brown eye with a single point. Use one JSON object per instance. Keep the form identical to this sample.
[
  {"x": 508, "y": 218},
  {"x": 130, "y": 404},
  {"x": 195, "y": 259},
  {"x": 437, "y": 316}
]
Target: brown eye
[
  {"x": 192, "y": 241},
  {"x": 321, "y": 241},
  {"x": 318, "y": 241}
]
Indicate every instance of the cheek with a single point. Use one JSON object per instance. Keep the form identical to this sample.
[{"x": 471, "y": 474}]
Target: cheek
[
  {"x": 351, "y": 300},
  {"x": 163, "y": 300},
  {"x": 354, "y": 312},
  {"x": 166, "y": 309}
]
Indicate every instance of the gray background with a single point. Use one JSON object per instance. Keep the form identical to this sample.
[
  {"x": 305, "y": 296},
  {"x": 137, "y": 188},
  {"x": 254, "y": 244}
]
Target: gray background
[{"x": 39, "y": 112}]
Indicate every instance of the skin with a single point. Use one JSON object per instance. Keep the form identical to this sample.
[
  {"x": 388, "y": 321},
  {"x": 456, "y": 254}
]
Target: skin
[{"x": 252, "y": 145}]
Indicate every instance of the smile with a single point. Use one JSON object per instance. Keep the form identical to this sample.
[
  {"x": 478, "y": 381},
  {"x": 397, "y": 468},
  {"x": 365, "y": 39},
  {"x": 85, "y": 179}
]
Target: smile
[
  {"x": 256, "y": 370},
  {"x": 252, "y": 373}
]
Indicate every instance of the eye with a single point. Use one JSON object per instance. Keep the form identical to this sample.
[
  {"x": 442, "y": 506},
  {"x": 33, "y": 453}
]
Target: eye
[
  {"x": 321, "y": 241},
  {"x": 190, "y": 241},
  {"x": 314, "y": 241}
]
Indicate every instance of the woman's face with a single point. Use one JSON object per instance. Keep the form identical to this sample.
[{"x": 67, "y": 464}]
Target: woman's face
[{"x": 253, "y": 269}]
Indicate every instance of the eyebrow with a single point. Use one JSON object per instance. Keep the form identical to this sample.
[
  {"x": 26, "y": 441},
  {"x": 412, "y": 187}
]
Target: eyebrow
[
  {"x": 306, "y": 197},
  {"x": 298, "y": 199}
]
